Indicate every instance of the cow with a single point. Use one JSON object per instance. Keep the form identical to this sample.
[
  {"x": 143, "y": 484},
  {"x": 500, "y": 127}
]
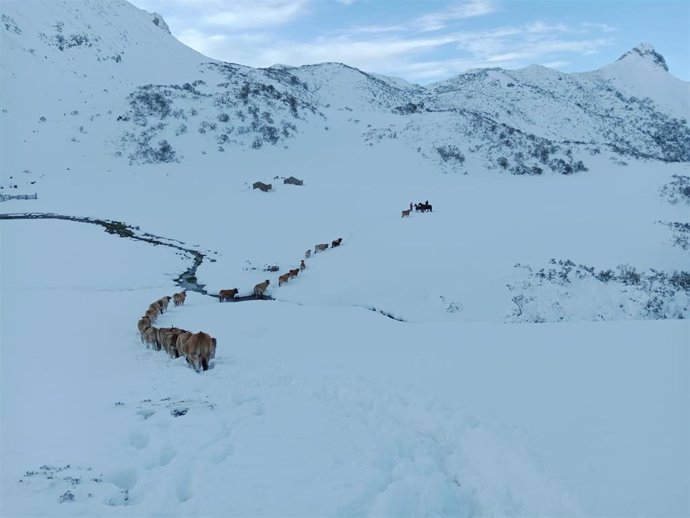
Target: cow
[
  {"x": 227, "y": 294},
  {"x": 173, "y": 336},
  {"x": 293, "y": 273},
  {"x": 307, "y": 254},
  {"x": 260, "y": 288},
  {"x": 336, "y": 242},
  {"x": 143, "y": 323},
  {"x": 150, "y": 337},
  {"x": 181, "y": 343},
  {"x": 167, "y": 339},
  {"x": 151, "y": 314},
  {"x": 179, "y": 298},
  {"x": 161, "y": 338},
  {"x": 200, "y": 348},
  {"x": 405, "y": 213},
  {"x": 302, "y": 266},
  {"x": 164, "y": 303},
  {"x": 283, "y": 278},
  {"x": 320, "y": 248}
]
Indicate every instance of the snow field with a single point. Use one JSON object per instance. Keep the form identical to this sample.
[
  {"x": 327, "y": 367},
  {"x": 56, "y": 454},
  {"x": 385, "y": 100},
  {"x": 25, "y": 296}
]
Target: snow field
[
  {"x": 306, "y": 407},
  {"x": 481, "y": 227}
]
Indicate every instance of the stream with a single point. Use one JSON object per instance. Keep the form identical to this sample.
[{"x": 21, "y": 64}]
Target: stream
[{"x": 186, "y": 280}]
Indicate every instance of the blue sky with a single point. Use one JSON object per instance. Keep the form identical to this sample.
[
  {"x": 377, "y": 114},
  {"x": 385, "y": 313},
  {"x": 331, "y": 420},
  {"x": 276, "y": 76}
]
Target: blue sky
[{"x": 429, "y": 40}]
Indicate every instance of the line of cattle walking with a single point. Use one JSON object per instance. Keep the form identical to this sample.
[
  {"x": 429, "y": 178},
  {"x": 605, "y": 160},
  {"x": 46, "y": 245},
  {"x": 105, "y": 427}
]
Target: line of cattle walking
[
  {"x": 198, "y": 348},
  {"x": 260, "y": 289}
]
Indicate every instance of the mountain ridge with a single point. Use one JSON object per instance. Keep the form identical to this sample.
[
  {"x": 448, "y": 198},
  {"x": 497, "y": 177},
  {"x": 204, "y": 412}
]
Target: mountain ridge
[{"x": 531, "y": 121}]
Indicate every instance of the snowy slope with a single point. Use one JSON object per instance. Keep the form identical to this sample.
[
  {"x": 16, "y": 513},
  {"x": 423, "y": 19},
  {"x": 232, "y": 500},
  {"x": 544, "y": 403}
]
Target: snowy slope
[
  {"x": 519, "y": 351},
  {"x": 642, "y": 72},
  {"x": 320, "y": 410}
]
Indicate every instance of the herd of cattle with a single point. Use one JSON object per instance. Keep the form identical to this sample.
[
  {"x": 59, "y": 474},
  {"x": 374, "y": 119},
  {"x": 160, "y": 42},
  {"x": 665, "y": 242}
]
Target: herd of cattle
[
  {"x": 260, "y": 289},
  {"x": 197, "y": 348},
  {"x": 418, "y": 207}
]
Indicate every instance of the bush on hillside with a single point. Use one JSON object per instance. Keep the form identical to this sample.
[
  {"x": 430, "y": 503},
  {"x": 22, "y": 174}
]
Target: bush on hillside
[
  {"x": 569, "y": 291},
  {"x": 677, "y": 190},
  {"x": 450, "y": 153}
]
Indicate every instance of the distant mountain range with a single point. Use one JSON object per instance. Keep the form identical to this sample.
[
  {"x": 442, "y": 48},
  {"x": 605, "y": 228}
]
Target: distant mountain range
[{"x": 116, "y": 76}]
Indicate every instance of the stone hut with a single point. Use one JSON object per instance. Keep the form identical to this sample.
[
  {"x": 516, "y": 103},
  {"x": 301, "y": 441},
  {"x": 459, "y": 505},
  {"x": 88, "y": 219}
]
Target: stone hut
[
  {"x": 263, "y": 186},
  {"x": 293, "y": 181}
]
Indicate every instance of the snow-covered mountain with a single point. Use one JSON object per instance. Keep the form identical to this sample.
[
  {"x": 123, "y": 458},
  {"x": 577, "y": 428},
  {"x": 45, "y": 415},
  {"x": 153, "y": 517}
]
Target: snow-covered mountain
[
  {"x": 519, "y": 351},
  {"x": 105, "y": 60}
]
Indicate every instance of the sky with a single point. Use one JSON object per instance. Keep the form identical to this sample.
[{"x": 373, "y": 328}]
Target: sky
[{"x": 429, "y": 40}]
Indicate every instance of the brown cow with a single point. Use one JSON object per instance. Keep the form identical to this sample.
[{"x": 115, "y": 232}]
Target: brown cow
[
  {"x": 320, "y": 248},
  {"x": 150, "y": 337},
  {"x": 164, "y": 303},
  {"x": 302, "y": 266},
  {"x": 182, "y": 343},
  {"x": 227, "y": 294},
  {"x": 406, "y": 213},
  {"x": 336, "y": 242},
  {"x": 200, "y": 348},
  {"x": 167, "y": 339},
  {"x": 283, "y": 279},
  {"x": 143, "y": 323},
  {"x": 260, "y": 288},
  {"x": 162, "y": 336},
  {"x": 152, "y": 314},
  {"x": 173, "y": 338},
  {"x": 179, "y": 298}
]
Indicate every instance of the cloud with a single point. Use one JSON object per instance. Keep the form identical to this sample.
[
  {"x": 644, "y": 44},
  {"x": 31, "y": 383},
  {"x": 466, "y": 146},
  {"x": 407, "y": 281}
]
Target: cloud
[
  {"x": 249, "y": 14},
  {"x": 535, "y": 41},
  {"x": 459, "y": 11},
  {"x": 434, "y": 21}
]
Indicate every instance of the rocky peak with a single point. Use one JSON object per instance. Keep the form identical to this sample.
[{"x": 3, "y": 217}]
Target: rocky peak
[
  {"x": 158, "y": 20},
  {"x": 647, "y": 53}
]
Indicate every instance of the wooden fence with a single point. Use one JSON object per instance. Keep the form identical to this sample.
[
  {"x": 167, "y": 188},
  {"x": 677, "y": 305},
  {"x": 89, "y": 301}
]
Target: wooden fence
[{"x": 5, "y": 197}]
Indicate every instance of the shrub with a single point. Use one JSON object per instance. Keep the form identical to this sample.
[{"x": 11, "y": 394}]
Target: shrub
[
  {"x": 568, "y": 290},
  {"x": 628, "y": 275},
  {"x": 409, "y": 108},
  {"x": 449, "y": 152},
  {"x": 10, "y": 24},
  {"x": 677, "y": 190},
  {"x": 164, "y": 153}
]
